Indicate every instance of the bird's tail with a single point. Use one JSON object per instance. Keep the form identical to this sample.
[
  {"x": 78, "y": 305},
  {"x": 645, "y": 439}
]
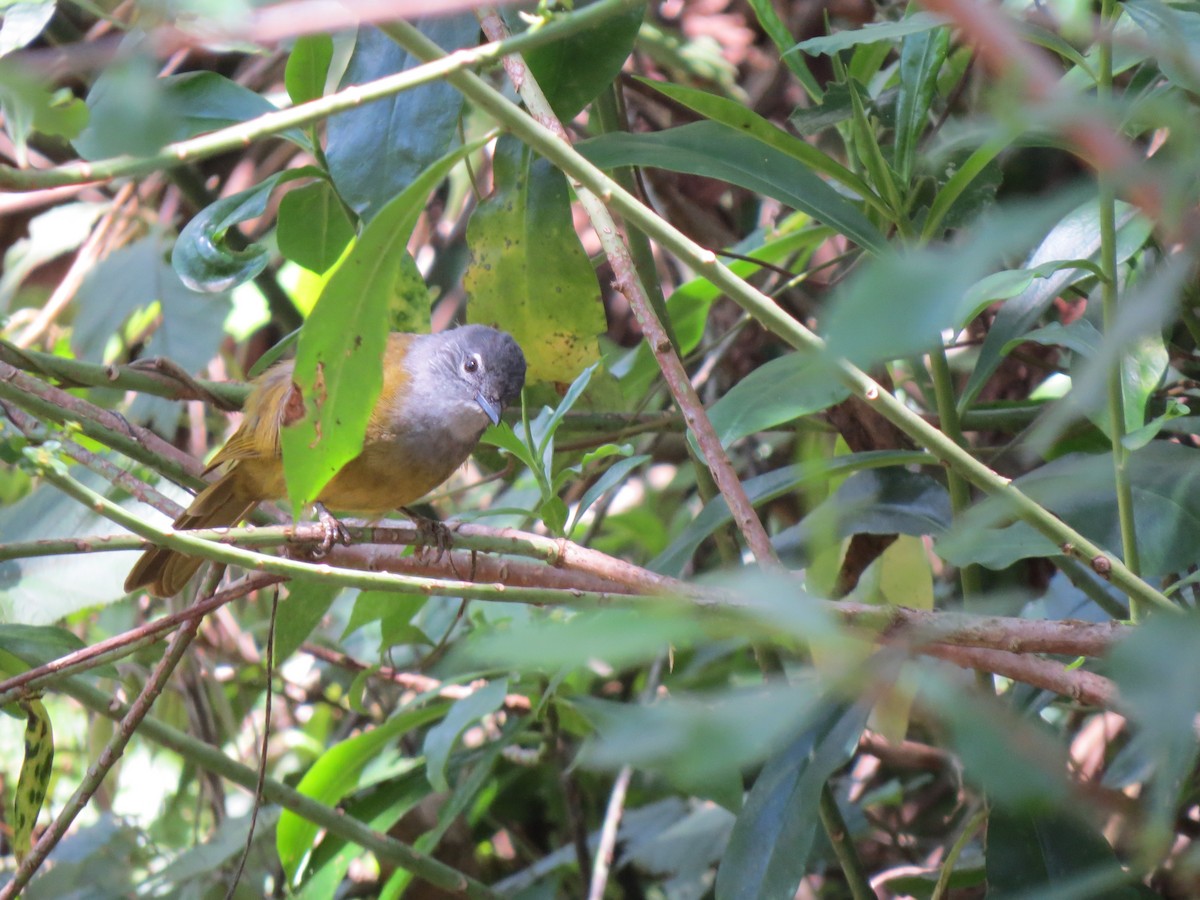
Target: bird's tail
[{"x": 166, "y": 571}]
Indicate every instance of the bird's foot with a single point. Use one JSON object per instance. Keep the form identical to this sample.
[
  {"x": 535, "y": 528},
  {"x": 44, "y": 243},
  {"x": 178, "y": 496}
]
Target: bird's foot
[
  {"x": 333, "y": 532},
  {"x": 431, "y": 534}
]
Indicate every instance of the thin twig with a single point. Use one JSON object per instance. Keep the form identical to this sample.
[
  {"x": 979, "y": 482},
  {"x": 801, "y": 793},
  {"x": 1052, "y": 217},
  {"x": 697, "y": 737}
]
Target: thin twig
[
  {"x": 626, "y": 281},
  {"x": 109, "y": 756},
  {"x": 266, "y": 738}
]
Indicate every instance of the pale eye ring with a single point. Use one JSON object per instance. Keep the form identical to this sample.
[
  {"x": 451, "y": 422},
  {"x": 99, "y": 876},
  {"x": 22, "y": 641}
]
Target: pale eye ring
[{"x": 472, "y": 363}]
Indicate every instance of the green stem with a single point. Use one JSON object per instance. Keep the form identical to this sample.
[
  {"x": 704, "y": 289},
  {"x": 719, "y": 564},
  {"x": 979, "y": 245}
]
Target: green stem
[
  {"x": 970, "y": 576},
  {"x": 778, "y": 321},
  {"x": 1109, "y": 301},
  {"x": 238, "y": 136},
  {"x": 943, "y": 882},
  {"x": 843, "y": 847}
]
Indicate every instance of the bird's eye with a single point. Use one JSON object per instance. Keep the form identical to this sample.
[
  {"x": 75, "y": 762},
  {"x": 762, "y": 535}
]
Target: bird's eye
[{"x": 472, "y": 364}]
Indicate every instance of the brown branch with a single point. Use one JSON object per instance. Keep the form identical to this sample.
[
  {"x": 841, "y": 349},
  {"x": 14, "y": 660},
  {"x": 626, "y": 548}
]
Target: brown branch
[
  {"x": 626, "y": 280},
  {"x": 122, "y": 644},
  {"x": 1078, "y": 684}
]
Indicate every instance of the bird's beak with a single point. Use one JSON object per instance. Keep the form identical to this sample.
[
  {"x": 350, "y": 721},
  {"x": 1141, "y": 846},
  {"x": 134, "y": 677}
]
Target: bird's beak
[{"x": 490, "y": 409}]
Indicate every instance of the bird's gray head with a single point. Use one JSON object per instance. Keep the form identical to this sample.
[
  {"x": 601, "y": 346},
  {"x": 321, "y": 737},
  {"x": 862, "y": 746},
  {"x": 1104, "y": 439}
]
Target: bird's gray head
[{"x": 479, "y": 365}]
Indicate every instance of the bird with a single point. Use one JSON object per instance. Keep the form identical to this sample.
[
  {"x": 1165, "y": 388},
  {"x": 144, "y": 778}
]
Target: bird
[{"x": 440, "y": 392}]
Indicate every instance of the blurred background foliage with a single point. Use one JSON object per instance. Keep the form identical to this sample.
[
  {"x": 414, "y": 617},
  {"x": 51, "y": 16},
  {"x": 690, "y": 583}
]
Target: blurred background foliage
[{"x": 940, "y": 687}]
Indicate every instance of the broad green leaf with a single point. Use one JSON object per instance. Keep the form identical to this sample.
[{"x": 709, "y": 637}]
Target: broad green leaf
[
  {"x": 528, "y": 272},
  {"x": 718, "y": 151},
  {"x": 23, "y": 22},
  {"x": 1079, "y": 489},
  {"x": 737, "y": 115},
  {"x": 36, "y": 645},
  {"x": 869, "y": 34},
  {"x": 1077, "y": 236},
  {"x": 875, "y": 501},
  {"x": 921, "y": 58},
  {"x": 305, "y": 607},
  {"x": 1157, "y": 673},
  {"x": 377, "y": 150},
  {"x": 335, "y": 774},
  {"x": 308, "y": 67},
  {"x": 37, "y": 766},
  {"x": 1035, "y": 853},
  {"x": 898, "y": 304},
  {"x": 1133, "y": 346},
  {"x": 341, "y": 345},
  {"x": 313, "y": 228},
  {"x": 440, "y": 739},
  {"x": 1174, "y": 33},
  {"x": 763, "y": 488},
  {"x": 698, "y": 737},
  {"x": 375, "y": 606},
  {"x": 769, "y": 848},
  {"x": 1019, "y": 764},
  {"x": 135, "y": 112},
  {"x": 780, "y": 391},
  {"x": 1008, "y": 283},
  {"x": 572, "y": 71}
]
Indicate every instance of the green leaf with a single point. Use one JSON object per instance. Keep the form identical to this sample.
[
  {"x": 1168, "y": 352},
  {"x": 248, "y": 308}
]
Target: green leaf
[
  {"x": 135, "y": 112},
  {"x": 335, "y": 774},
  {"x": 1031, "y": 853},
  {"x": 375, "y": 606},
  {"x": 305, "y": 607},
  {"x": 875, "y": 501},
  {"x": 29, "y": 106},
  {"x": 36, "y": 645},
  {"x": 313, "y": 229},
  {"x": 717, "y": 151},
  {"x": 781, "y": 37},
  {"x": 769, "y": 848},
  {"x": 1076, "y": 236},
  {"x": 921, "y": 58},
  {"x": 869, "y": 34},
  {"x": 613, "y": 476},
  {"x": 782, "y": 390},
  {"x": 339, "y": 357},
  {"x": 835, "y": 106},
  {"x": 574, "y": 70},
  {"x": 1174, "y": 33},
  {"x": 898, "y": 304},
  {"x": 440, "y": 739},
  {"x": 37, "y": 766},
  {"x": 1157, "y": 673},
  {"x": 763, "y": 488},
  {"x": 23, "y": 22},
  {"x": 737, "y": 115},
  {"x": 377, "y": 150},
  {"x": 1080, "y": 490},
  {"x": 203, "y": 258},
  {"x": 308, "y": 67},
  {"x": 528, "y": 272}
]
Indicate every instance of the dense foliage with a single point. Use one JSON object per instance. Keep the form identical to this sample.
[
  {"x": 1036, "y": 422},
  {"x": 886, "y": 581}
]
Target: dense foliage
[{"x": 844, "y": 543}]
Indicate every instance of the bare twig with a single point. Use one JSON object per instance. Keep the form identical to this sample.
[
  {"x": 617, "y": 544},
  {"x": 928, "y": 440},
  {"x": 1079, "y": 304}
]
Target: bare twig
[
  {"x": 626, "y": 281},
  {"x": 108, "y": 757}
]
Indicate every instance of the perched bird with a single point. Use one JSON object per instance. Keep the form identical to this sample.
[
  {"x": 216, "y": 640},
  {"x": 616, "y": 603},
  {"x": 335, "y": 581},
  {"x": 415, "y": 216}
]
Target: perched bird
[{"x": 439, "y": 393}]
